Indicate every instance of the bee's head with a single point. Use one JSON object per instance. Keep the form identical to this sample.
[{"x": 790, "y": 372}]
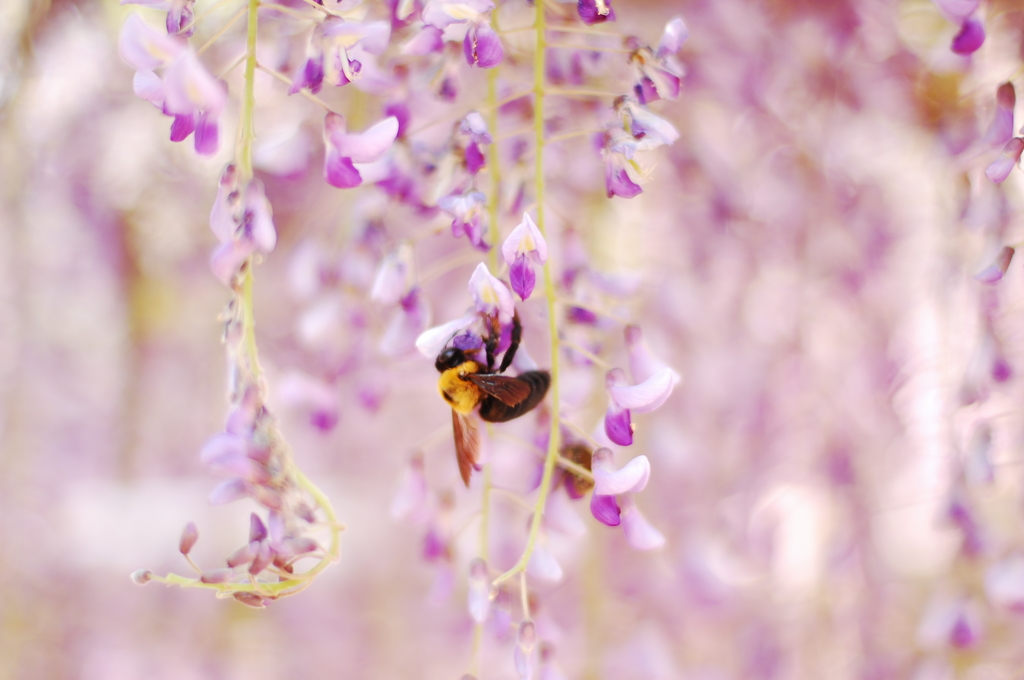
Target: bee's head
[{"x": 450, "y": 357}]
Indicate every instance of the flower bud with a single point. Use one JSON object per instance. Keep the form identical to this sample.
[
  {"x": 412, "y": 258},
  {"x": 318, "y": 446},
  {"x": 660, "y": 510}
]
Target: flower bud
[{"x": 188, "y": 538}]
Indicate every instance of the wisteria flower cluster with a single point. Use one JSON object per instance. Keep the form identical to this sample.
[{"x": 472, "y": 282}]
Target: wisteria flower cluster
[{"x": 469, "y": 179}]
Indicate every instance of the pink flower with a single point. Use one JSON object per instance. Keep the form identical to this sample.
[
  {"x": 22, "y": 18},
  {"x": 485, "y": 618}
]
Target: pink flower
[
  {"x": 195, "y": 99},
  {"x": 524, "y": 245},
  {"x": 612, "y": 501},
  {"x": 344, "y": 149},
  {"x": 490, "y": 295}
]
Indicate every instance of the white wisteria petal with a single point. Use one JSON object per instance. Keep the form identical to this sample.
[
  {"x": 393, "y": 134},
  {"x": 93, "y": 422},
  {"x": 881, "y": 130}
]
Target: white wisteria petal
[
  {"x": 632, "y": 477},
  {"x": 432, "y": 341},
  {"x": 648, "y": 395}
]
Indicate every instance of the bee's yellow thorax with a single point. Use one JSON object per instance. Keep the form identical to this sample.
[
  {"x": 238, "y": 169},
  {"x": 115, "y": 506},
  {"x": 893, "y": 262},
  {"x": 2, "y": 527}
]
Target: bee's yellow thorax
[{"x": 461, "y": 394}]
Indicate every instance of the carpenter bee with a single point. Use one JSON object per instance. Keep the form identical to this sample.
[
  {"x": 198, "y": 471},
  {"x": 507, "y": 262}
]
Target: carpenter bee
[{"x": 464, "y": 384}]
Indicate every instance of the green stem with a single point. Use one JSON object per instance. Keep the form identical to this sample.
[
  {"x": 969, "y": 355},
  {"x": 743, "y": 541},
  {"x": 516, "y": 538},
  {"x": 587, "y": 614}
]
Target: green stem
[{"x": 554, "y": 440}]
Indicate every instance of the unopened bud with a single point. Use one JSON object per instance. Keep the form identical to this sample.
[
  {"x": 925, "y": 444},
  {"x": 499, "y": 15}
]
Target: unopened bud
[
  {"x": 142, "y": 577},
  {"x": 188, "y": 538},
  {"x": 251, "y": 600}
]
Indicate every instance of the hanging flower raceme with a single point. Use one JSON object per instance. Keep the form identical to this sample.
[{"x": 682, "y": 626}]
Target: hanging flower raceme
[
  {"x": 474, "y": 127},
  {"x": 345, "y": 149},
  {"x": 595, "y": 11},
  {"x": 468, "y": 217},
  {"x": 653, "y": 382},
  {"x": 612, "y": 502},
  {"x": 242, "y": 220},
  {"x": 481, "y": 45},
  {"x": 187, "y": 91},
  {"x": 328, "y": 59},
  {"x": 524, "y": 247},
  {"x": 659, "y": 74}
]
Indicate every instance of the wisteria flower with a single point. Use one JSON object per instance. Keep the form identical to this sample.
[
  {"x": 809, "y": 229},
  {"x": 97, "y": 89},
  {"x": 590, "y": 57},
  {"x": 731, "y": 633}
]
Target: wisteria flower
[
  {"x": 1000, "y": 168},
  {"x": 525, "y": 245},
  {"x": 659, "y": 75},
  {"x": 647, "y": 130},
  {"x": 467, "y": 211},
  {"x": 653, "y": 382},
  {"x": 490, "y": 295},
  {"x": 345, "y": 149},
  {"x": 617, "y": 181},
  {"x": 481, "y": 46},
  {"x": 328, "y": 59},
  {"x": 475, "y": 127},
  {"x": 612, "y": 503}
]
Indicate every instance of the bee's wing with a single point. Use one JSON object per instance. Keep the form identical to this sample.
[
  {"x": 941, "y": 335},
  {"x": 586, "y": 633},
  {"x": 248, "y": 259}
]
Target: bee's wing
[
  {"x": 506, "y": 389},
  {"x": 467, "y": 444}
]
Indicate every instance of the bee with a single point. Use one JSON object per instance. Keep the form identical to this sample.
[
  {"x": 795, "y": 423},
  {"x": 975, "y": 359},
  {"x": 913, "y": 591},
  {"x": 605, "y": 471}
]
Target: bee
[{"x": 464, "y": 384}]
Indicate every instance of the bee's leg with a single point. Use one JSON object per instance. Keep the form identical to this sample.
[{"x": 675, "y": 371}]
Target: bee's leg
[
  {"x": 517, "y": 336},
  {"x": 491, "y": 344}
]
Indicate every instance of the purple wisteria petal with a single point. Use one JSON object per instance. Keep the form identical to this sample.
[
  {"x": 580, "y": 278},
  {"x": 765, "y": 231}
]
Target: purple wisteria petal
[
  {"x": 525, "y": 239},
  {"x": 257, "y": 530},
  {"x": 605, "y": 510},
  {"x": 179, "y": 15},
  {"x": 482, "y": 46},
  {"x": 617, "y": 181},
  {"x": 146, "y": 47},
  {"x": 595, "y": 11},
  {"x": 631, "y": 478},
  {"x": 995, "y": 271},
  {"x": 521, "y": 277},
  {"x": 970, "y": 38},
  {"x": 639, "y": 532},
  {"x": 673, "y": 38},
  {"x": 618, "y": 425},
  {"x": 432, "y": 341},
  {"x": 339, "y": 171},
  {"x": 310, "y": 76},
  {"x": 182, "y": 127},
  {"x": 489, "y": 294},
  {"x": 206, "y": 139},
  {"x": 475, "y": 160},
  {"x": 1000, "y": 168}
]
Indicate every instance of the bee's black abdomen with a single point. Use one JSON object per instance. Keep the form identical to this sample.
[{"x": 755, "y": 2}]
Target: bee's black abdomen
[{"x": 492, "y": 410}]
